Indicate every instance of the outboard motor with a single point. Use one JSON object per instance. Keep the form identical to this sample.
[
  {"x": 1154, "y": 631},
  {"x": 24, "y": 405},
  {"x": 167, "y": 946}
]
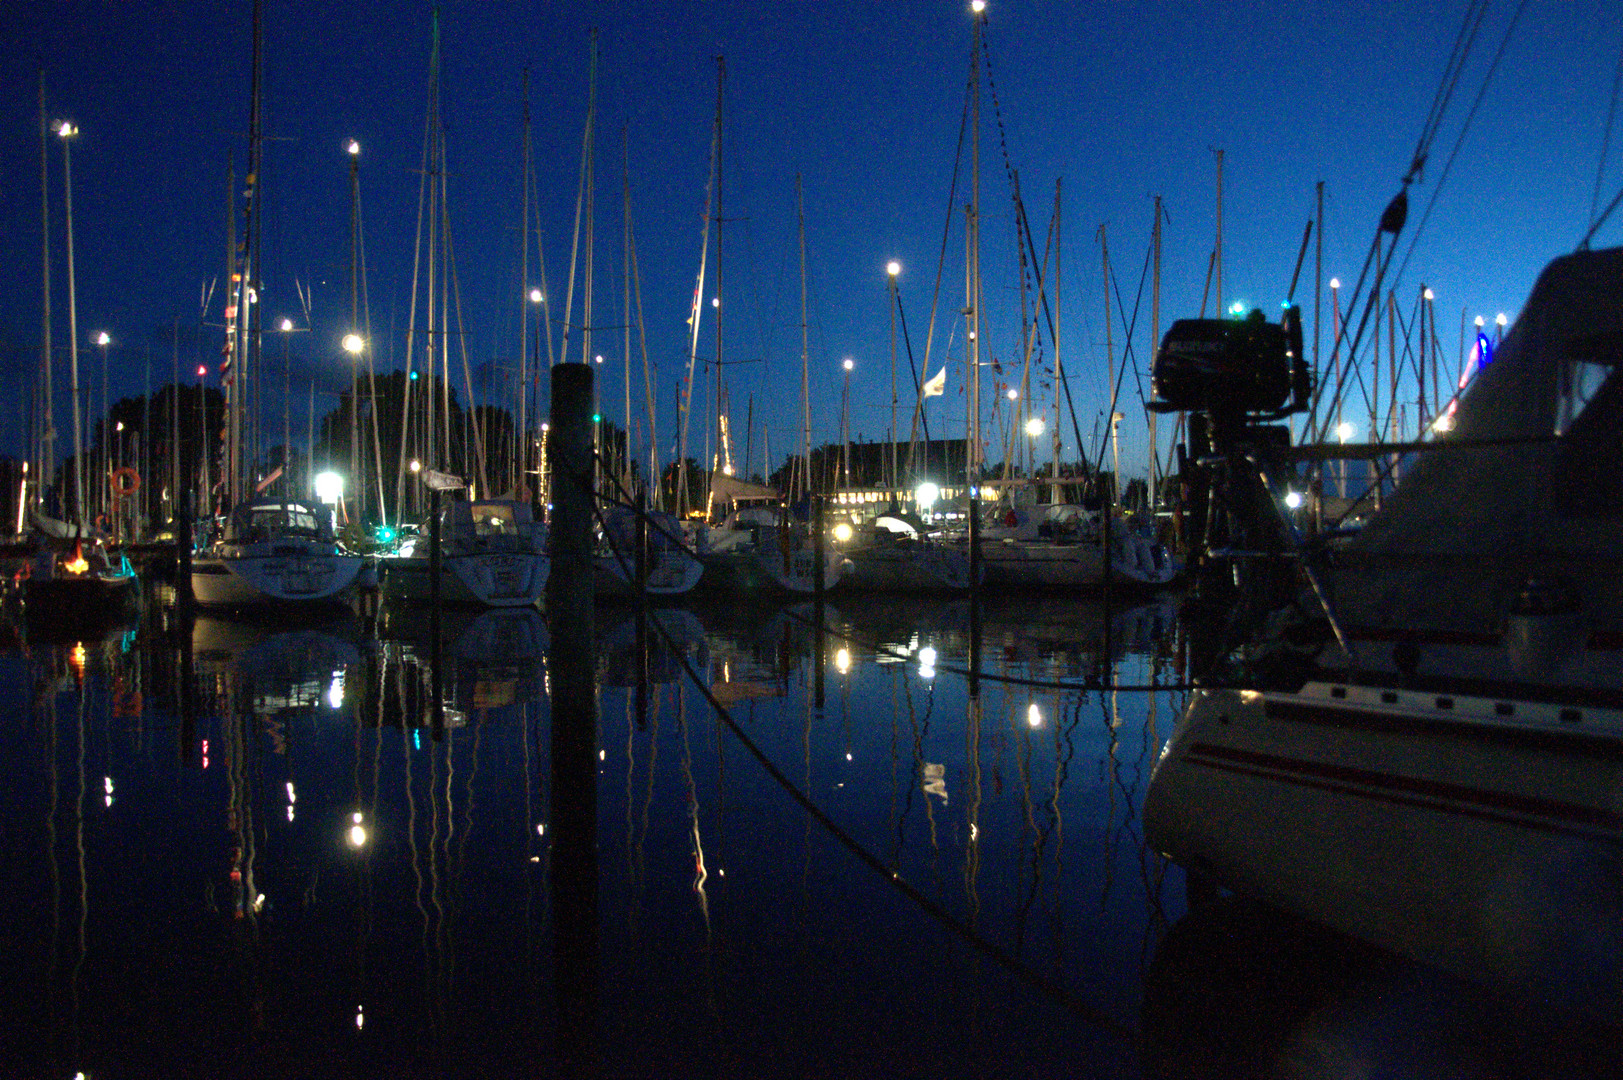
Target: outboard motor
[{"x": 1235, "y": 378}]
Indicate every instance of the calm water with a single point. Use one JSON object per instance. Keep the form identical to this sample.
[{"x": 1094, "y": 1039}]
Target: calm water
[{"x": 247, "y": 849}]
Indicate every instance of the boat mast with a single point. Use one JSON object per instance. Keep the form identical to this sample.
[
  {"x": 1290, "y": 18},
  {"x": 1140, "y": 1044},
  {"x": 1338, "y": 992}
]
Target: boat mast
[
  {"x": 67, "y": 131},
  {"x": 723, "y": 456},
  {"x": 1059, "y": 368},
  {"x": 522, "y": 438},
  {"x": 357, "y": 467},
  {"x": 686, "y": 401},
  {"x": 625, "y": 459},
  {"x": 972, "y": 297},
  {"x": 46, "y": 457},
  {"x": 1155, "y": 339},
  {"x": 805, "y": 359}
]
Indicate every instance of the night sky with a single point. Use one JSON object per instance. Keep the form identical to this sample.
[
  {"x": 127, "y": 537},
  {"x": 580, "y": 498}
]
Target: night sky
[{"x": 1118, "y": 102}]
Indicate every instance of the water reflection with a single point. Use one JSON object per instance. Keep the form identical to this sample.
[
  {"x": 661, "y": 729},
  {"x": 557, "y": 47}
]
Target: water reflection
[
  {"x": 813, "y": 839},
  {"x": 1240, "y": 990}
]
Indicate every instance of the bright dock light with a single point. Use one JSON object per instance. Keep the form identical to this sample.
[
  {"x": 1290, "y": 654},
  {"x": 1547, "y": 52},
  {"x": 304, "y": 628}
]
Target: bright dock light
[
  {"x": 1035, "y": 426},
  {"x": 354, "y": 343},
  {"x": 893, "y": 268}
]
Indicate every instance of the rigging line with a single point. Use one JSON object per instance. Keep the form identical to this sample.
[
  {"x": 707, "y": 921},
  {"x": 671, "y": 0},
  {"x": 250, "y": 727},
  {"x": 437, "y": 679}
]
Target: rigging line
[
  {"x": 1606, "y": 141},
  {"x": 1470, "y": 25},
  {"x": 946, "y": 225},
  {"x": 1601, "y": 220},
  {"x": 1459, "y": 141},
  {"x": 1013, "y": 964}
]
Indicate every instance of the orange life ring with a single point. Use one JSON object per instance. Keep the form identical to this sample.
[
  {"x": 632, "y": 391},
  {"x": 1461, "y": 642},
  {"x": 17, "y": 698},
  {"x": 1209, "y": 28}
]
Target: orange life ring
[{"x": 125, "y": 481}]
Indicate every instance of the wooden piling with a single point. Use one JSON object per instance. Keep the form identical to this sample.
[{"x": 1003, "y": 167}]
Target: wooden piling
[{"x": 574, "y": 721}]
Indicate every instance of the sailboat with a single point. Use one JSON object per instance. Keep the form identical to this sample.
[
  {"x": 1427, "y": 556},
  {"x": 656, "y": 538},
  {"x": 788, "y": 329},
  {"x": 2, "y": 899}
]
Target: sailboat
[
  {"x": 1422, "y": 750},
  {"x": 277, "y": 551},
  {"x": 72, "y": 580},
  {"x": 759, "y": 545},
  {"x": 492, "y": 553}
]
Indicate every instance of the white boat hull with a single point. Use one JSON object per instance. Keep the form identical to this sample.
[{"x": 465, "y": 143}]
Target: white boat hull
[
  {"x": 278, "y": 580},
  {"x": 670, "y": 572},
  {"x": 1481, "y": 835},
  {"x": 496, "y": 579},
  {"x": 1045, "y": 565},
  {"x": 906, "y": 566}
]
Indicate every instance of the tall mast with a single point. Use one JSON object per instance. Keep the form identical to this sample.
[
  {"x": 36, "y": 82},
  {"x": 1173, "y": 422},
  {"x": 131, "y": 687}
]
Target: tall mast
[
  {"x": 581, "y": 197},
  {"x": 972, "y": 286},
  {"x": 805, "y": 358},
  {"x": 521, "y": 437},
  {"x": 1059, "y": 368},
  {"x": 47, "y": 436},
  {"x": 67, "y": 131},
  {"x": 1110, "y": 369},
  {"x": 625, "y": 463},
  {"x": 723, "y": 458},
  {"x": 357, "y": 470},
  {"x": 1155, "y": 339},
  {"x": 248, "y": 306},
  {"x": 1217, "y": 255},
  {"x": 685, "y": 402}
]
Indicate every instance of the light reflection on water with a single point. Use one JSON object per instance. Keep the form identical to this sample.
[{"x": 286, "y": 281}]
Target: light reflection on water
[{"x": 251, "y": 849}]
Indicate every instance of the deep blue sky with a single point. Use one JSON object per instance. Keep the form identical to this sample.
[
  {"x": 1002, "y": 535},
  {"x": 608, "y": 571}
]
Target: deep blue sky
[{"x": 1122, "y": 101}]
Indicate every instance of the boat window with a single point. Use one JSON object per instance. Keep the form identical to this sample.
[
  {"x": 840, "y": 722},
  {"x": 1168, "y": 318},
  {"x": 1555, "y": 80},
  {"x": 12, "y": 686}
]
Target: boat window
[
  {"x": 1589, "y": 421},
  {"x": 493, "y": 521}
]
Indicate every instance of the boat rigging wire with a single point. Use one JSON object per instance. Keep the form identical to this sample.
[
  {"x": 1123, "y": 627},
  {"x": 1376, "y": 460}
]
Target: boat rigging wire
[
  {"x": 1396, "y": 213},
  {"x": 1605, "y": 148},
  {"x": 1013, "y": 964},
  {"x": 1459, "y": 140}
]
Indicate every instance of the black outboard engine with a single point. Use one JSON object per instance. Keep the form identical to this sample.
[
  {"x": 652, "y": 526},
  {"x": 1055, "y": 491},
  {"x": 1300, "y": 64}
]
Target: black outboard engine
[
  {"x": 1235, "y": 378},
  {"x": 1228, "y": 365}
]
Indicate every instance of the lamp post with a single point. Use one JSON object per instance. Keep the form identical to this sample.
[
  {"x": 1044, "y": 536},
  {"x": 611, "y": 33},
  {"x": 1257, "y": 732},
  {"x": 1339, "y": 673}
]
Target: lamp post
[
  {"x": 1344, "y": 432},
  {"x": 1034, "y": 430},
  {"x": 845, "y": 421},
  {"x": 66, "y": 130},
  {"x": 354, "y": 344},
  {"x": 892, "y": 269},
  {"x": 537, "y": 298},
  {"x": 105, "y": 495}
]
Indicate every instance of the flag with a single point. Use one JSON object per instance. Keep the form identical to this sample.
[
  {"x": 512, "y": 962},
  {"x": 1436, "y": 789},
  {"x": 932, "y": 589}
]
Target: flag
[
  {"x": 269, "y": 480},
  {"x": 936, "y": 386}
]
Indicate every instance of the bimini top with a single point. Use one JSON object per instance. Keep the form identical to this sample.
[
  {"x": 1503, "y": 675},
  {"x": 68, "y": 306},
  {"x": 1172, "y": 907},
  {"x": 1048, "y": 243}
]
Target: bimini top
[
  {"x": 270, "y": 518},
  {"x": 1524, "y": 493}
]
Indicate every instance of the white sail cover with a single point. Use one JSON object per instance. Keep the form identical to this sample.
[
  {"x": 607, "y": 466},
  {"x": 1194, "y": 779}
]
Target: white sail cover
[{"x": 1474, "y": 532}]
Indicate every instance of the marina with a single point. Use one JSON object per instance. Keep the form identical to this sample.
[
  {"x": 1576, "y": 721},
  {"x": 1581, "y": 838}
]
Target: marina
[
  {"x": 774, "y": 597},
  {"x": 244, "y": 847}
]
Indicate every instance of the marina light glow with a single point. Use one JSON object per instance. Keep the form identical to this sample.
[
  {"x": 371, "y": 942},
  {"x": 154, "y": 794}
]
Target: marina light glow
[
  {"x": 926, "y": 494},
  {"x": 842, "y": 532},
  {"x": 329, "y": 486},
  {"x": 1293, "y": 499}
]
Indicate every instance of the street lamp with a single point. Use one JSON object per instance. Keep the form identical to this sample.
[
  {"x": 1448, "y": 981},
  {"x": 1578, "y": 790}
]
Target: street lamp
[
  {"x": 845, "y": 420},
  {"x": 892, "y": 269},
  {"x": 103, "y": 340},
  {"x": 1344, "y": 431},
  {"x": 65, "y": 129}
]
